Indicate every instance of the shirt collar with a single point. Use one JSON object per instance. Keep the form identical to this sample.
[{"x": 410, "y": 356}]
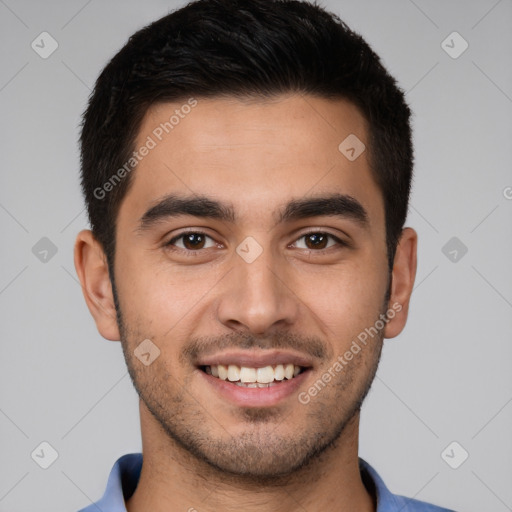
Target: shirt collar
[
  {"x": 121, "y": 484},
  {"x": 125, "y": 474}
]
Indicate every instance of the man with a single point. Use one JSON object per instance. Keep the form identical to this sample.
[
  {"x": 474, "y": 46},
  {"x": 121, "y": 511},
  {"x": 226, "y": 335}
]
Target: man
[{"x": 246, "y": 166}]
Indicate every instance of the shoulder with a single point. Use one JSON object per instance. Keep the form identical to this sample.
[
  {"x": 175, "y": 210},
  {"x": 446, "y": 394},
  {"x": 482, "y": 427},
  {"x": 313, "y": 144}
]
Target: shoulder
[
  {"x": 389, "y": 502},
  {"x": 121, "y": 484},
  {"x": 411, "y": 505}
]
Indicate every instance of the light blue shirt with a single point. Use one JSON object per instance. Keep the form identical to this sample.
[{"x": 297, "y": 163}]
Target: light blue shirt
[{"x": 125, "y": 474}]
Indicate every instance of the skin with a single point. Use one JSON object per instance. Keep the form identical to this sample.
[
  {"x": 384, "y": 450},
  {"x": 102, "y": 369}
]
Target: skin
[{"x": 200, "y": 450}]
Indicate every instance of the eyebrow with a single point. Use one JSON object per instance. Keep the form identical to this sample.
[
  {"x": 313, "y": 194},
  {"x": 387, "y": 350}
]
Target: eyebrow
[{"x": 332, "y": 205}]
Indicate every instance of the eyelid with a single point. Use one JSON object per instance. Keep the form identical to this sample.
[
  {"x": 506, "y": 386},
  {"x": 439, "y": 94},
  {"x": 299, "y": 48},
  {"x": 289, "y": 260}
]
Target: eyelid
[
  {"x": 186, "y": 232},
  {"x": 339, "y": 241}
]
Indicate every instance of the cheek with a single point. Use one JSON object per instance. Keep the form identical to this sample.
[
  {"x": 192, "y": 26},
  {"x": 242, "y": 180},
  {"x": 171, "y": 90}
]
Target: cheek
[
  {"x": 345, "y": 300},
  {"x": 159, "y": 298}
]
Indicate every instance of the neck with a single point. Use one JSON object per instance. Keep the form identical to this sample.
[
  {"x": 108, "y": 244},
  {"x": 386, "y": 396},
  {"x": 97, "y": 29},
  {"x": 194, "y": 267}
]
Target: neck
[{"x": 173, "y": 479}]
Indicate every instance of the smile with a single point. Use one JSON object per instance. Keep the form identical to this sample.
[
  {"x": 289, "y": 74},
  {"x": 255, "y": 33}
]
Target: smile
[{"x": 249, "y": 377}]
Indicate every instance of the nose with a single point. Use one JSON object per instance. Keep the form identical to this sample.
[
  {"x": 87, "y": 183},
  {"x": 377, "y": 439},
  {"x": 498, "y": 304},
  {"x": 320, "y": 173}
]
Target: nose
[{"x": 258, "y": 296}]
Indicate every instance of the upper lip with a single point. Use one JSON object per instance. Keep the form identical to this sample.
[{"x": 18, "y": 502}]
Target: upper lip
[{"x": 255, "y": 359}]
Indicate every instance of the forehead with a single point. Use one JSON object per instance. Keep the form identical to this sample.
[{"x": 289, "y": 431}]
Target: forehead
[{"x": 252, "y": 154}]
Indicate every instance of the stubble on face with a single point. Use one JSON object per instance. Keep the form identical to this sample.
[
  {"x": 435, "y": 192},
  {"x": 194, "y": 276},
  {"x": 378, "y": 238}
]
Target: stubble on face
[
  {"x": 236, "y": 151},
  {"x": 259, "y": 455}
]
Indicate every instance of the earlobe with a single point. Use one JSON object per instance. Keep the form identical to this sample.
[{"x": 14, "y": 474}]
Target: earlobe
[
  {"x": 92, "y": 269},
  {"x": 404, "y": 273}
]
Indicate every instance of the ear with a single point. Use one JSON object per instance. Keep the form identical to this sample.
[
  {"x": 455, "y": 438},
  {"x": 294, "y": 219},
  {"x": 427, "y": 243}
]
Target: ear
[
  {"x": 92, "y": 269},
  {"x": 404, "y": 273}
]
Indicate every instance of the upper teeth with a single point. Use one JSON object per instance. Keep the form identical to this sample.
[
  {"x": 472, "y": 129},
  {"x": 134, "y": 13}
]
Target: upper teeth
[{"x": 244, "y": 374}]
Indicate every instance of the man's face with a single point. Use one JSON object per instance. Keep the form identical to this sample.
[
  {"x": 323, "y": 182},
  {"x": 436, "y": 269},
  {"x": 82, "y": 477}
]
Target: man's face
[{"x": 252, "y": 290}]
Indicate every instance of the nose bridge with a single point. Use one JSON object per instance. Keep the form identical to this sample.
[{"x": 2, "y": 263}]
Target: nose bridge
[{"x": 257, "y": 296}]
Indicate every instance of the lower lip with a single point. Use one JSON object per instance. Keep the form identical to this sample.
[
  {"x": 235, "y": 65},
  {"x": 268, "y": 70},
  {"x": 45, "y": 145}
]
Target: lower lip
[{"x": 255, "y": 397}]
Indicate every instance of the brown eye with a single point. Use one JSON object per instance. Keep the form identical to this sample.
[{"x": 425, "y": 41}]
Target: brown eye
[
  {"x": 193, "y": 241},
  {"x": 190, "y": 241},
  {"x": 318, "y": 241}
]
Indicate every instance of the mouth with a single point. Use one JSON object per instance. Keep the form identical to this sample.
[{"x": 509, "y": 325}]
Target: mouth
[{"x": 254, "y": 377}]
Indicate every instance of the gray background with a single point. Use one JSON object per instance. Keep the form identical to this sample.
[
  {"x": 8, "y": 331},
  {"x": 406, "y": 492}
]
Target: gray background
[{"x": 445, "y": 378}]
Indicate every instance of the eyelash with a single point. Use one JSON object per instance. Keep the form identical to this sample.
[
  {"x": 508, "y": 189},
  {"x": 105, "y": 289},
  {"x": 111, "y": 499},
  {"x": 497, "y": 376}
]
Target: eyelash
[{"x": 195, "y": 253}]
